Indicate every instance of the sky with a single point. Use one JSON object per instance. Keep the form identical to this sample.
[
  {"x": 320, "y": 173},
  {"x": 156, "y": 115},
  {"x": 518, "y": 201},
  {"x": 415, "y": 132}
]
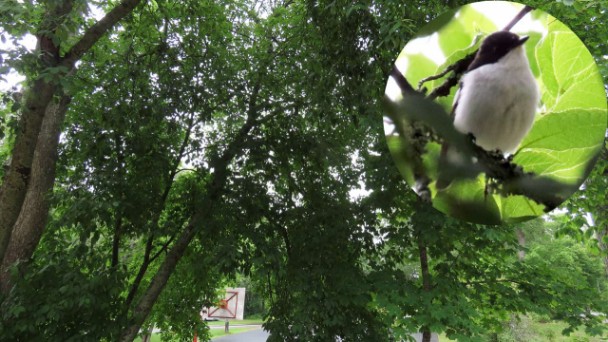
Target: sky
[
  {"x": 13, "y": 78},
  {"x": 29, "y": 42}
]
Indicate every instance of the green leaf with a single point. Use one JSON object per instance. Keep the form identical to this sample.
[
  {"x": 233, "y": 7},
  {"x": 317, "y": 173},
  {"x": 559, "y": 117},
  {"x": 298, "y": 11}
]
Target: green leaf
[
  {"x": 561, "y": 131},
  {"x": 467, "y": 200},
  {"x": 569, "y": 75},
  {"x": 453, "y": 37},
  {"x": 419, "y": 66},
  {"x": 516, "y": 209}
]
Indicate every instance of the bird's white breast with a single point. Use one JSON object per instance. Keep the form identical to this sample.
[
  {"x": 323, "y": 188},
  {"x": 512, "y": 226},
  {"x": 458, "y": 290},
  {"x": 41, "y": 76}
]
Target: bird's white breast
[{"x": 497, "y": 102}]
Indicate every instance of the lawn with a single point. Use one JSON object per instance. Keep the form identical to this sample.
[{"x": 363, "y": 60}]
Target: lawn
[
  {"x": 535, "y": 331},
  {"x": 220, "y": 332},
  {"x": 216, "y": 332},
  {"x": 241, "y": 322}
]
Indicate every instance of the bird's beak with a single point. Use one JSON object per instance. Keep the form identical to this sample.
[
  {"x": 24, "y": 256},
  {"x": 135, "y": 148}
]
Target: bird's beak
[{"x": 522, "y": 40}]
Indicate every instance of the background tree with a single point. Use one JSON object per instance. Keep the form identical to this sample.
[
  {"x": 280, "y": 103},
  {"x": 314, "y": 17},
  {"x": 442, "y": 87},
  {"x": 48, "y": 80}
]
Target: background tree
[{"x": 31, "y": 171}]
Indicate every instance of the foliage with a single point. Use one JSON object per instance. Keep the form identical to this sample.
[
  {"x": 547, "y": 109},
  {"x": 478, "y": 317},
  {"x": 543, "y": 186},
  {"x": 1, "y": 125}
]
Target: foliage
[
  {"x": 575, "y": 277},
  {"x": 477, "y": 282},
  {"x": 70, "y": 297},
  {"x": 587, "y": 219},
  {"x": 255, "y": 304}
]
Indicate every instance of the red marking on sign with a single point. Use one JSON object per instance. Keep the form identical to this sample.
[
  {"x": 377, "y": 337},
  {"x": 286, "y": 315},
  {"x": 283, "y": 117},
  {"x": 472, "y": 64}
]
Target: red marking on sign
[{"x": 231, "y": 296}]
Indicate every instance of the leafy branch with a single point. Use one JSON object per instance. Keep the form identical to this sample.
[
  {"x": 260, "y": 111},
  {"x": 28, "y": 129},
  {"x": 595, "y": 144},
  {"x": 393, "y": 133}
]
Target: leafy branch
[
  {"x": 514, "y": 180},
  {"x": 95, "y": 32}
]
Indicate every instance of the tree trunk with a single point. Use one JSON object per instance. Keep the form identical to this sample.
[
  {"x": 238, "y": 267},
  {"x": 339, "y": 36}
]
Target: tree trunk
[
  {"x": 23, "y": 215},
  {"x": 521, "y": 239},
  {"x": 14, "y": 186},
  {"x": 145, "y": 304},
  {"x": 147, "y": 337},
  {"x": 601, "y": 236},
  {"x": 147, "y": 300},
  {"x": 212, "y": 194},
  {"x": 426, "y": 281},
  {"x": 34, "y": 106},
  {"x": 34, "y": 212}
]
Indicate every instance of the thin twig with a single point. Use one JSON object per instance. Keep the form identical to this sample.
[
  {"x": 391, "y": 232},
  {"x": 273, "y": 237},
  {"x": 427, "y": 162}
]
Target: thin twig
[
  {"x": 517, "y": 18},
  {"x": 458, "y": 69},
  {"x": 434, "y": 77}
]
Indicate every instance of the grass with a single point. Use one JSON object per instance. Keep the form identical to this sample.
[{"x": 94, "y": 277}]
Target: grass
[
  {"x": 242, "y": 322},
  {"x": 154, "y": 338},
  {"x": 220, "y": 332},
  {"x": 529, "y": 330},
  {"x": 552, "y": 331},
  {"x": 215, "y": 332}
]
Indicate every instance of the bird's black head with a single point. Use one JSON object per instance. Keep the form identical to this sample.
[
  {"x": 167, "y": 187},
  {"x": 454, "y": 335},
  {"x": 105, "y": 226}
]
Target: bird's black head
[{"x": 495, "y": 46}]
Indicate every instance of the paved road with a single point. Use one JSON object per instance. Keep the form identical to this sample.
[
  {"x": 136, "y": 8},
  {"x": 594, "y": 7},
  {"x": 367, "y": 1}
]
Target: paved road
[{"x": 257, "y": 335}]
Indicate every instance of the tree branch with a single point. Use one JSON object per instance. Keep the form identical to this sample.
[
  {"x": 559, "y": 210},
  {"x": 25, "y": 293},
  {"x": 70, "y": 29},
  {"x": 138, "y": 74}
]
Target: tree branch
[
  {"x": 514, "y": 181},
  {"x": 410, "y": 132},
  {"x": 140, "y": 274},
  {"x": 424, "y": 270},
  {"x": 458, "y": 68},
  {"x": 163, "y": 248},
  {"x": 95, "y": 32},
  {"x": 518, "y": 17}
]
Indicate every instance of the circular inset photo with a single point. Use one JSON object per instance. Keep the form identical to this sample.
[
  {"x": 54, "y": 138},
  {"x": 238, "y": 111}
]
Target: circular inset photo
[{"x": 495, "y": 113}]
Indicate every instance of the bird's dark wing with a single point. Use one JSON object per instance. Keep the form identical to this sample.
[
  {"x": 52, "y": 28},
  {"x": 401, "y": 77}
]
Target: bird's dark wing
[{"x": 456, "y": 98}]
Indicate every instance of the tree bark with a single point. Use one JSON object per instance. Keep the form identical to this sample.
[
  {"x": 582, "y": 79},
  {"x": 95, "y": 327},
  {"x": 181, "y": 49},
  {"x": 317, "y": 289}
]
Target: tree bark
[
  {"x": 34, "y": 106},
  {"x": 17, "y": 207},
  {"x": 601, "y": 234},
  {"x": 521, "y": 239},
  {"x": 426, "y": 281},
  {"x": 16, "y": 179},
  {"x": 34, "y": 212}
]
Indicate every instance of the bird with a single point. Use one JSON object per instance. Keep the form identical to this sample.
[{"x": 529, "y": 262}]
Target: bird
[{"x": 497, "y": 97}]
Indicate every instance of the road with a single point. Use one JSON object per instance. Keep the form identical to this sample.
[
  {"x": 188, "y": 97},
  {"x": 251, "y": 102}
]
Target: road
[{"x": 257, "y": 335}]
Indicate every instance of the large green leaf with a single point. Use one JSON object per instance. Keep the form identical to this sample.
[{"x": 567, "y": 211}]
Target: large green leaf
[
  {"x": 569, "y": 75},
  {"x": 565, "y": 139},
  {"x": 518, "y": 208}
]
